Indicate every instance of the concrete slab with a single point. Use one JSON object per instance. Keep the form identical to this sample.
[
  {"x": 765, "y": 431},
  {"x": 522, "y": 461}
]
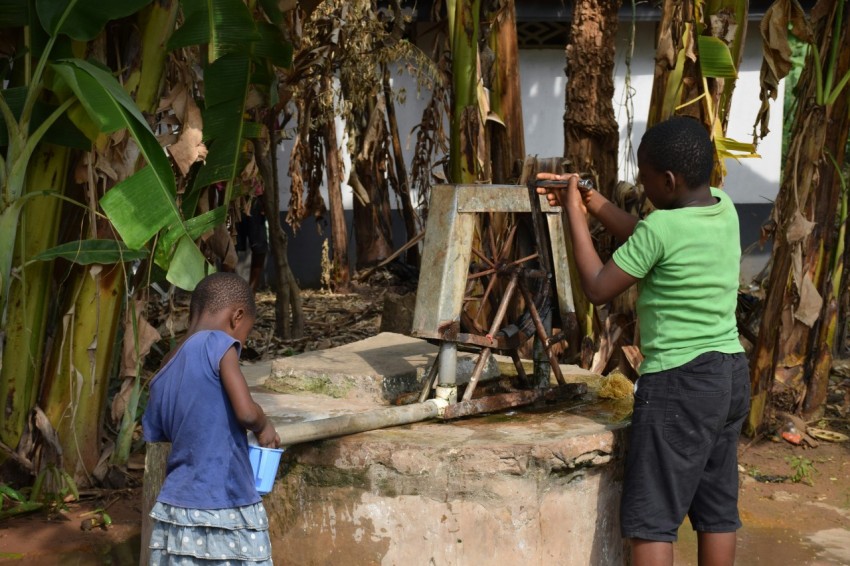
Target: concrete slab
[
  {"x": 338, "y": 377},
  {"x": 533, "y": 486},
  {"x": 379, "y": 369},
  {"x": 256, "y": 373},
  {"x": 382, "y": 369}
]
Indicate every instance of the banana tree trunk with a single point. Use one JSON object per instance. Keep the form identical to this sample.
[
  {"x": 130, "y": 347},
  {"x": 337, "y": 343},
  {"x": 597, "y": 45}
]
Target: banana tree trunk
[
  {"x": 794, "y": 349},
  {"x": 466, "y": 139},
  {"x": 591, "y": 133},
  {"x": 507, "y": 140},
  {"x": 372, "y": 219},
  {"x": 289, "y": 318},
  {"x": 686, "y": 83},
  {"x": 340, "y": 269},
  {"x": 727, "y": 21},
  {"x": 402, "y": 178},
  {"x": 30, "y": 293},
  {"x": 74, "y": 392},
  {"x": 676, "y": 77}
]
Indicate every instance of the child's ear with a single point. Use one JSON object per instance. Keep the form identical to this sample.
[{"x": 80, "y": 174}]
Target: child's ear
[
  {"x": 236, "y": 316},
  {"x": 670, "y": 181}
]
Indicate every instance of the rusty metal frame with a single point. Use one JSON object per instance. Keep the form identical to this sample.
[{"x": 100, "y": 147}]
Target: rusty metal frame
[
  {"x": 493, "y": 403},
  {"x": 443, "y": 280},
  {"x": 448, "y": 249}
]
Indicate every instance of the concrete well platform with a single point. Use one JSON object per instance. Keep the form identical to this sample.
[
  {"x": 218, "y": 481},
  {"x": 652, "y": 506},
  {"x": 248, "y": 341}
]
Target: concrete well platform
[
  {"x": 527, "y": 487},
  {"x": 530, "y": 486}
]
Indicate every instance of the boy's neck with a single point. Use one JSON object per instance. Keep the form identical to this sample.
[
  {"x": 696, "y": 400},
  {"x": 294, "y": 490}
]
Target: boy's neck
[
  {"x": 700, "y": 196},
  {"x": 217, "y": 321}
]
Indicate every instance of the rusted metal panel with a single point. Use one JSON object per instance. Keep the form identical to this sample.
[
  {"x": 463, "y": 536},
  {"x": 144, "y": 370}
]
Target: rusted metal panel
[
  {"x": 445, "y": 263},
  {"x": 493, "y": 403},
  {"x": 498, "y": 198},
  {"x": 561, "y": 266}
]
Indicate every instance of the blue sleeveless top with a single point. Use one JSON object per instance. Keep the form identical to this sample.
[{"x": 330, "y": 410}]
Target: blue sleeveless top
[{"x": 208, "y": 467}]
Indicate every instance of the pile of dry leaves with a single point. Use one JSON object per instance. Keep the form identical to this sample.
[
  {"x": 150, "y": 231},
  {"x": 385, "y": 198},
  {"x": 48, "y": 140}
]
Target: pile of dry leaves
[{"x": 329, "y": 320}]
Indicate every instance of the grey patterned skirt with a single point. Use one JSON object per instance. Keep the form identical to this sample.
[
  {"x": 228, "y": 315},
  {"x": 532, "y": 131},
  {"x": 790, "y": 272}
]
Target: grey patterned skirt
[{"x": 210, "y": 537}]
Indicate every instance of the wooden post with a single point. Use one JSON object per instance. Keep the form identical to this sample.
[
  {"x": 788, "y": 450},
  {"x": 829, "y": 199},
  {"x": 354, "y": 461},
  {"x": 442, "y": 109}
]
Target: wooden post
[{"x": 156, "y": 455}]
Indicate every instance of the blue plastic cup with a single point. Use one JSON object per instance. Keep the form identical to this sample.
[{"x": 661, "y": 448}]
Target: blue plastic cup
[{"x": 264, "y": 462}]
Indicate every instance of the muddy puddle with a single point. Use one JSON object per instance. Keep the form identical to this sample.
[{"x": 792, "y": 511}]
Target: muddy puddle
[
  {"x": 771, "y": 546},
  {"x": 120, "y": 554}
]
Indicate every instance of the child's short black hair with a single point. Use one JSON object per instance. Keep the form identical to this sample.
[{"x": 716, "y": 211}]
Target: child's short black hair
[
  {"x": 681, "y": 145},
  {"x": 220, "y": 290}
]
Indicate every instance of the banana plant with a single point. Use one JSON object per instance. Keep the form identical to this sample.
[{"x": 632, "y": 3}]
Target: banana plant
[
  {"x": 142, "y": 205},
  {"x": 56, "y": 100},
  {"x": 222, "y": 116},
  {"x": 32, "y": 176},
  {"x": 691, "y": 53},
  {"x": 794, "y": 354},
  {"x": 239, "y": 54}
]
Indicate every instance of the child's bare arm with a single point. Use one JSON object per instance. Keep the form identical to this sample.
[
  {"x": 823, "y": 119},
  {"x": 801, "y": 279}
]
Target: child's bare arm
[
  {"x": 617, "y": 221},
  {"x": 601, "y": 283},
  {"x": 248, "y": 413}
]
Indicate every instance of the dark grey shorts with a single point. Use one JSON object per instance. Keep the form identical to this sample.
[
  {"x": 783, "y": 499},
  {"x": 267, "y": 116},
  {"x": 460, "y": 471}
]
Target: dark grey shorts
[
  {"x": 682, "y": 456},
  {"x": 251, "y": 230}
]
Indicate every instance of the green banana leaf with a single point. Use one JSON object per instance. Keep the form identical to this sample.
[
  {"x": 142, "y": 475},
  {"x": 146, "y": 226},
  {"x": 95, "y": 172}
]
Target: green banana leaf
[
  {"x": 87, "y": 252},
  {"x": 225, "y": 25},
  {"x": 86, "y": 18},
  {"x": 715, "y": 59},
  {"x": 229, "y": 30},
  {"x": 192, "y": 265},
  {"x": 144, "y": 203},
  {"x": 272, "y": 10},
  {"x": 195, "y": 227},
  {"x": 226, "y": 88},
  {"x": 62, "y": 132},
  {"x": 201, "y": 224},
  {"x": 239, "y": 49},
  {"x": 103, "y": 98},
  {"x": 273, "y": 46}
]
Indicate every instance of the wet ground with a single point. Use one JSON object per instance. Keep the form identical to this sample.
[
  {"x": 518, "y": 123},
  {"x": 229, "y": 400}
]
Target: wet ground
[{"x": 786, "y": 522}]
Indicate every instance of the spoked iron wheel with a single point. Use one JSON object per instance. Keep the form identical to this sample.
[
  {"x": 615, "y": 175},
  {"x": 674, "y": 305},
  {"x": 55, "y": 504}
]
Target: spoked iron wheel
[
  {"x": 508, "y": 297},
  {"x": 499, "y": 253}
]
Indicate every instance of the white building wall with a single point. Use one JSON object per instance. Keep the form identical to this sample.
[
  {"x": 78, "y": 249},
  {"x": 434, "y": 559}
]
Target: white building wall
[{"x": 543, "y": 91}]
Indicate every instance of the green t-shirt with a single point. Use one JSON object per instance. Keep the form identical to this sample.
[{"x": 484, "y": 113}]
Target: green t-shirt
[{"x": 688, "y": 261}]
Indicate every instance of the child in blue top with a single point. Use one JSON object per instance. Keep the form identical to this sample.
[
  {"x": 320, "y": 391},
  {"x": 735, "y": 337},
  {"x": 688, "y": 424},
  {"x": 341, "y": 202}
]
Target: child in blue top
[
  {"x": 208, "y": 511},
  {"x": 693, "y": 392}
]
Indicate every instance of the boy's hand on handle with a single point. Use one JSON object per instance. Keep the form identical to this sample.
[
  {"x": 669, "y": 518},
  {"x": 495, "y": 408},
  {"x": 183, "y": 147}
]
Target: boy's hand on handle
[
  {"x": 571, "y": 196},
  {"x": 267, "y": 436}
]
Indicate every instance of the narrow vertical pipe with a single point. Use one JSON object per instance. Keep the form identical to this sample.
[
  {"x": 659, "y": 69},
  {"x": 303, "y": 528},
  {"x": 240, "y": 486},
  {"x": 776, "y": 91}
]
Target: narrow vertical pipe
[{"x": 448, "y": 364}]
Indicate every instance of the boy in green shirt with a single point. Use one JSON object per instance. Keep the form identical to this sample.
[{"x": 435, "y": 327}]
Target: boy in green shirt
[{"x": 693, "y": 392}]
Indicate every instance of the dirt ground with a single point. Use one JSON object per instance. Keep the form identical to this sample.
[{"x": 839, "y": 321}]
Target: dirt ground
[{"x": 795, "y": 500}]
